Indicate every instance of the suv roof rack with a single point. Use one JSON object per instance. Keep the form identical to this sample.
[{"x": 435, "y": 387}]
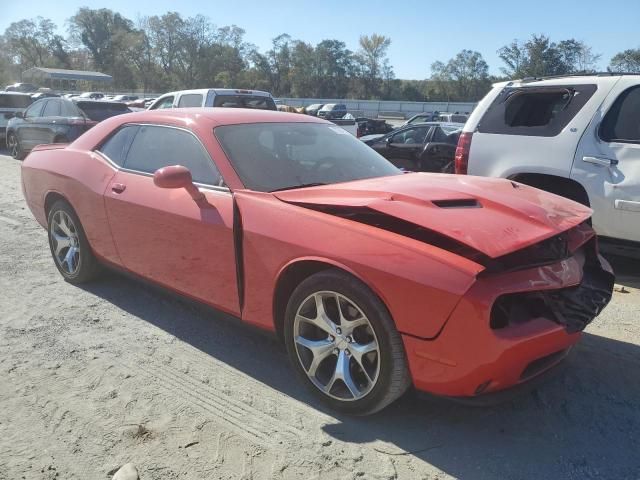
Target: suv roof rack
[{"x": 582, "y": 74}]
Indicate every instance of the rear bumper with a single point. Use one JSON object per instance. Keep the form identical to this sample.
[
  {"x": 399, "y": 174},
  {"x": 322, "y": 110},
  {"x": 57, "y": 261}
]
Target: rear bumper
[{"x": 473, "y": 357}]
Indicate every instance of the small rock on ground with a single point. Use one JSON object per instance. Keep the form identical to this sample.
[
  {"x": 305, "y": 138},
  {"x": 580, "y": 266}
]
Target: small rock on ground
[{"x": 126, "y": 472}]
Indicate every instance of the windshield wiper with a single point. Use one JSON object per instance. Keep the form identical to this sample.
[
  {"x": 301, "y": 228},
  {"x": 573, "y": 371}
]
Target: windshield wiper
[{"x": 304, "y": 185}]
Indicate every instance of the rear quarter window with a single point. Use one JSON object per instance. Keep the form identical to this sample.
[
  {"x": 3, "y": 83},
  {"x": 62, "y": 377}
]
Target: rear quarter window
[
  {"x": 535, "y": 111},
  {"x": 258, "y": 102},
  {"x": 190, "y": 100}
]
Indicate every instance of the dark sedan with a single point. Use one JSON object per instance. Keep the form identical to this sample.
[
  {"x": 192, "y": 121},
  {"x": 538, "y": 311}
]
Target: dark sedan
[
  {"x": 56, "y": 120},
  {"x": 425, "y": 147}
]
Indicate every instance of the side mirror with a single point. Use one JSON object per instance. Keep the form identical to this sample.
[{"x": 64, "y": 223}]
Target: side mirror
[
  {"x": 177, "y": 176},
  {"x": 18, "y": 115}
]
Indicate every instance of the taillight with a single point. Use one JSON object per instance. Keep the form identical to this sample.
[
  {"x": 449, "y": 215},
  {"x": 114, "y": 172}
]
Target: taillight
[{"x": 462, "y": 153}]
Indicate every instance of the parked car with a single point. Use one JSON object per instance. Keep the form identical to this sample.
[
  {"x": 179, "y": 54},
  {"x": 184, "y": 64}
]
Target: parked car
[
  {"x": 332, "y": 110},
  {"x": 124, "y": 98},
  {"x": 576, "y": 136},
  {"x": 92, "y": 95},
  {"x": 320, "y": 240},
  {"x": 10, "y": 104},
  {"x": 215, "y": 97},
  {"x": 453, "y": 117},
  {"x": 21, "y": 87},
  {"x": 370, "y": 126},
  {"x": 287, "y": 108},
  {"x": 39, "y": 95},
  {"x": 313, "y": 109},
  {"x": 422, "y": 147},
  {"x": 422, "y": 118},
  {"x": 56, "y": 120}
]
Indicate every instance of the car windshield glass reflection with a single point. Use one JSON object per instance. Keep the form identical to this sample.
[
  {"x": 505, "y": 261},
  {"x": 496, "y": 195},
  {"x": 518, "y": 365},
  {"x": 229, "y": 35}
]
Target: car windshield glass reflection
[{"x": 276, "y": 156}]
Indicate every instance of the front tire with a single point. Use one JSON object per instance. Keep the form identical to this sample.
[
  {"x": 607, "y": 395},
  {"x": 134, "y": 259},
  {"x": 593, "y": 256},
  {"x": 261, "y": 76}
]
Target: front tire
[
  {"x": 13, "y": 145},
  {"x": 69, "y": 246},
  {"x": 343, "y": 344}
]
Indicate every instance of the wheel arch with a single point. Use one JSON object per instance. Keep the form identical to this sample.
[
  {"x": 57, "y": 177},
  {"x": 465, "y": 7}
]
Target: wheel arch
[
  {"x": 296, "y": 271},
  {"x": 563, "y": 186},
  {"x": 52, "y": 197}
]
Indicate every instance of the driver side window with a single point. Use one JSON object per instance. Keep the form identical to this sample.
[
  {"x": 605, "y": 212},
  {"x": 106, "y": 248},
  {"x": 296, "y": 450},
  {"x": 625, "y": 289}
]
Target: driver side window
[{"x": 411, "y": 136}]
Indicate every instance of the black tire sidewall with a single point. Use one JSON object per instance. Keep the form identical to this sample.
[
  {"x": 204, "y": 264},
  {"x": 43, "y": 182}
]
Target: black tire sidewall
[
  {"x": 87, "y": 262},
  {"x": 377, "y": 314}
]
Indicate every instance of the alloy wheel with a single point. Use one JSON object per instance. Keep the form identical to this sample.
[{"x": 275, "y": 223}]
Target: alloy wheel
[
  {"x": 65, "y": 241},
  {"x": 12, "y": 145},
  {"x": 336, "y": 346}
]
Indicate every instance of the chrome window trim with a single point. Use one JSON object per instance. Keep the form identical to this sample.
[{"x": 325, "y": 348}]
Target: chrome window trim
[{"x": 205, "y": 186}]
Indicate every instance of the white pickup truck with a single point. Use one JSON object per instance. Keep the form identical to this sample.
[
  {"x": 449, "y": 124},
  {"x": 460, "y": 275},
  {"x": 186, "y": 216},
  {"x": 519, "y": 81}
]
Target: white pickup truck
[{"x": 215, "y": 97}]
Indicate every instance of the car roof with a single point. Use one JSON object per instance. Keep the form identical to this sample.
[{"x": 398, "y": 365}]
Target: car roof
[
  {"x": 216, "y": 116},
  {"x": 204, "y": 118}
]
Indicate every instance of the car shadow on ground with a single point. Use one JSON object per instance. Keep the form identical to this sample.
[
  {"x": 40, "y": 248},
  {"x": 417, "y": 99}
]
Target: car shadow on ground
[
  {"x": 627, "y": 270},
  {"x": 582, "y": 423}
]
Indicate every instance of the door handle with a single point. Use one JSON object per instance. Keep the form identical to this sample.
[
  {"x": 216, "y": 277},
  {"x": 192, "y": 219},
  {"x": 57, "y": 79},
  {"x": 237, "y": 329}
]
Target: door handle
[
  {"x": 604, "y": 162},
  {"x": 118, "y": 187}
]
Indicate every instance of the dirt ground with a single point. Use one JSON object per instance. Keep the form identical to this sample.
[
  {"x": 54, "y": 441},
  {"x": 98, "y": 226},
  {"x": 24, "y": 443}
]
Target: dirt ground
[{"x": 115, "y": 372}]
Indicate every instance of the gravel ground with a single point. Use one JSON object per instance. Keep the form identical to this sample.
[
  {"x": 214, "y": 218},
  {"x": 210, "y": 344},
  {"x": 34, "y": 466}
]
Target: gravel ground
[{"x": 92, "y": 378}]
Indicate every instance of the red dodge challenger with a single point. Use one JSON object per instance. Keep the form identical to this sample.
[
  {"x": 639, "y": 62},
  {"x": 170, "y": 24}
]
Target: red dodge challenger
[{"x": 375, "y": 279}]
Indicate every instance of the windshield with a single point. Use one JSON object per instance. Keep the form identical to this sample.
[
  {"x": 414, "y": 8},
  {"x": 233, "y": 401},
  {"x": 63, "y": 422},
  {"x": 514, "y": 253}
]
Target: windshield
[
  {"x": 15, "y": 101},
  {"x": 276, "y": 156},
  {"x": 245, "y": 101}
]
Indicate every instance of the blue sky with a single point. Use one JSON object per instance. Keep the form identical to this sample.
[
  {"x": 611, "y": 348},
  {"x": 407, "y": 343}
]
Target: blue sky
[{"x": 421, "y": 31}]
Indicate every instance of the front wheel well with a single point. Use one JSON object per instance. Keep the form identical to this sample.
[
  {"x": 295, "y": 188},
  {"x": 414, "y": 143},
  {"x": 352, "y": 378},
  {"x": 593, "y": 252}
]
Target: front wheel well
[
  {"x": 289, "y": 279},
  {"x": 50, "y": 199},
  {"x": 565, "y": 187}
]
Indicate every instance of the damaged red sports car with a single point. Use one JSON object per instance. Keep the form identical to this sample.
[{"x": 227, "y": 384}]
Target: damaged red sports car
[{"x": 376, "y": 280}]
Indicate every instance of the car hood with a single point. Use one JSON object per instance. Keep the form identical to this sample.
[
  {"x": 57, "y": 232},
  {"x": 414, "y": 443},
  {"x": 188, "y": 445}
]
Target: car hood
[{"x": 492, "y": 216}]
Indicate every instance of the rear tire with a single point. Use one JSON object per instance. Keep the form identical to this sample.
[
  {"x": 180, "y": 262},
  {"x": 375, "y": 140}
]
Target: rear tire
[
  {"x": 13, "y": 145},
  {"x": 70, "y": 249},
  {"x": 355, "y": 362}
]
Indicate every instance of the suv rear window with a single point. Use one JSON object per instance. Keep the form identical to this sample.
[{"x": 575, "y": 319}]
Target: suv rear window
[
  {"x": 244, "y": 101},
  {"x": 99, "y": 111},
  {"x": 15, "y": 101},
  {"x": 535, "y": 111}
]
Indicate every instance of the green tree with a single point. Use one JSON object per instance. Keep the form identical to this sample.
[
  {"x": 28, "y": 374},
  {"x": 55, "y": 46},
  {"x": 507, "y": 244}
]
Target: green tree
[
  {"x": 30, "y": 43},
  {"x": 626, "y": 61},
  {"x": 374, "y": 63},
  {"x": 539, "y": 56},
  {"x": 463, "y": 78}
]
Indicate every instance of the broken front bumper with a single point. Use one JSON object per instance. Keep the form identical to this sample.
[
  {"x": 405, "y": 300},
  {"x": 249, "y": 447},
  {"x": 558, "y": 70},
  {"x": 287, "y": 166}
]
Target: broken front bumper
[{"x": 511, "y": 327}]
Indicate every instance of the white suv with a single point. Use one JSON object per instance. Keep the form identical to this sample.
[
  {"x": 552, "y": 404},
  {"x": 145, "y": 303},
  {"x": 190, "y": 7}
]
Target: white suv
[
  {"x": 576, "y": 136},
  {"x": 215, "y": 97}
]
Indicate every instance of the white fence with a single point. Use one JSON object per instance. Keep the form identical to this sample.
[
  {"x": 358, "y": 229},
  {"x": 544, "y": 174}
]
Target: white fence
[{"x": 384, "y": 108}]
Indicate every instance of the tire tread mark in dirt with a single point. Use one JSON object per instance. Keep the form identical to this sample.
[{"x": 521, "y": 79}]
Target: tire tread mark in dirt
[{"x": 236, "y": 414}]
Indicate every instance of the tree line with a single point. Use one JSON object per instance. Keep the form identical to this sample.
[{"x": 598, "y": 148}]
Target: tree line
[{"x": 172, "y": 52}]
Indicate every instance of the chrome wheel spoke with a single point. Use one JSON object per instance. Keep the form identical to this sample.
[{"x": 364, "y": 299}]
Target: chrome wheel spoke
[
  {"x": 349, "y": 326},
  {"x": 320, "y": 349},
  {"x": 343, "y": 373},
  {"x": 358, "y": 351},
  {"x": 61, "y": 242}
]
